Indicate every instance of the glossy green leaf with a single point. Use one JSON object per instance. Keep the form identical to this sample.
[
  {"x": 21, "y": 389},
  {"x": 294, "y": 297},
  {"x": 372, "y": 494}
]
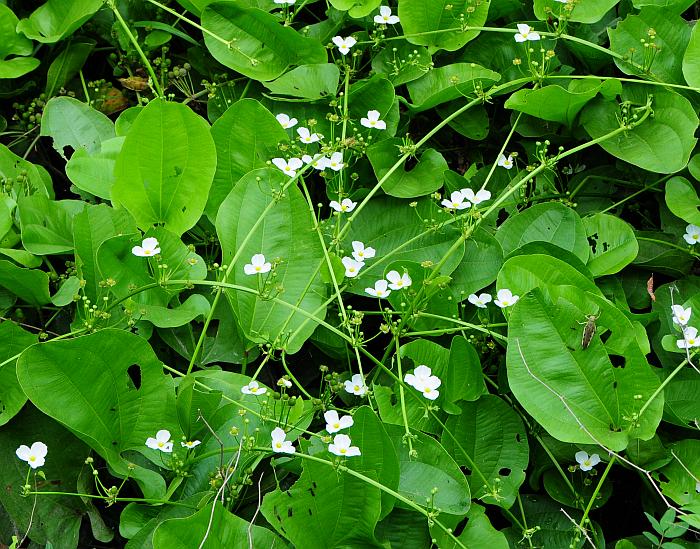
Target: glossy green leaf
[
  {"x": 230, "y": 531},
  {"x": 613, "y": 245},
  {"x": 356, "y": 8},
  {"x": 128, "y": 399},
  {"x": 424, "y": 178},
  {"x": 54, "y": 20},
  {"x": 464, "y": 379},
  {"x": 67, "y": 64},
  {"x": 448, "y": 83},
  {"x": 590, "y": 11},
  {"x": 29, "y": 285},
  {"x": 661, "y": 144},
  {"x": 682, "y": 200},
  {"x": 13, "y": 44},
  {"x": 47, "y": 225},
  {"x": 431, "y": 468},
  {"x": 165, "y": 168},
  {"x": 424, "y": 18},
  {"x": 671, "y": 38},
  {"x": 550, "y": 222},
  {"x": 483, "y": 258},
  {"x": 681, "y": 404},
  {"x": 94, "y": 173},
  {"x": 691, "y": 59},
  {"x": 555, "y": 103},
  {"x": 246, "y": 137},
  {"x": 402, "y": 62},
  {"x": 263, "y": 320},
  {"x": 13, "y": 340},
  {"x": 307, "y": 82},
  {"x": 477, "y": 533},
  {"x": 679, "y": 476},
  {"x": 577, "y": 394},
  {"x": 260, "y": 48},
  {"x": 489, "y": 439},
  {"x": 72, "y": 123}
]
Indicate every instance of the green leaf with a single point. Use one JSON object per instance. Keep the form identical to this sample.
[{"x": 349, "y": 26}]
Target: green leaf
[
  {"x": 677, "y": 479},
  {"x": 47, "y": 225},
  {"x": 14, "y": 43},
  {"x": 260, "y": 48},
  {"x": 424, "y": 178},
  {"x": 127, "y": 400},
  {"x": 13, "y": 340},
  {"x": 308, "y": 82},
  {"x": 401, "y": 62},
  {"x": 613, "y": 245},
  {"x": 671, "y": 38},
  {"x": 29, "y": 285},
  {"x": 555, "y": 103},
  {"x": 432, "y": 467},
  {"x": 483, "y": 258},
  {"x": 577, "y": 394},
  {"x": 682, "y": 200},
  {"x": 56, "y": 20},
  {"x": 493, "y": 438},
  {"x": 165, "y": 168},
  {"x": 246, "y": 136},
  {"x": 72, "y": 123},
  {"x": 549, "y": 222},
  {"x": 37, "y": 179},
  {"x": 356, "y": 8},
  {"x": 464, "y": 379},
  {"x": 660, "y": 144},
  {"x": 681, "y": 405},
  {"x": 285, "y": 232},
  {"x": 94, "y": 173},
  {"x": 448, "y": 83},
  {"x": 424, "y": 18},
  {"x": 691, "y": 59},
  {"x": 230, "y": 531},
  {"x": 67, "y": 64},
  {"x": 590, "y": 11}
]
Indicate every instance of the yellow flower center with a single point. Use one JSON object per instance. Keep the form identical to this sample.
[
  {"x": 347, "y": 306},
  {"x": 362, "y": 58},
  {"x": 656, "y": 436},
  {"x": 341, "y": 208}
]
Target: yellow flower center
[
  {"x": 278, "y": 445},
  {"x": 32, "y": 458},
  {"x": 357, "y": 387},
  {"x": 343, "y": 450},
  {"x": 257, "y": 268},
  {"x": 161, "y": 444},
  {"x": 336, "y": 425},
  {"x": 147, "y": 252}
]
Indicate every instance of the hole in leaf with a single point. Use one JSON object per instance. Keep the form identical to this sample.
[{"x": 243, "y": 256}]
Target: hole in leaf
[
  {"x": 504, "y": 472},
  {"x": 467, "y": 471},
  {"x": 606, "y": 246},
  {"x": 614, "y": 429},
  {"x": 517, "y": 437},
  {"x": 593, "y": 241},
  {"x": 310, "y": 513},
  {"x": 614, "y": 385},
  {"x": 618, "y": 361},
  {"x": 134, "y": 373},
  {"x": 290, "y": 512},
  {"x": 663, "y": 478}
]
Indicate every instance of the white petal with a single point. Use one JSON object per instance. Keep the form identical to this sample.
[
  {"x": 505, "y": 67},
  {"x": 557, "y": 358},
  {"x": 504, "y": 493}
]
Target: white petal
[
  {"x": 23, "y": 452},
  {"x": 523, "y": 28},
  {"x": 281, "y": 163}
]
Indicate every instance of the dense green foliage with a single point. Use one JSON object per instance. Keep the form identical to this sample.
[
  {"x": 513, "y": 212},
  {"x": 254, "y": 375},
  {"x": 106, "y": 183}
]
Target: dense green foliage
[{"x": 337, "y": 274}]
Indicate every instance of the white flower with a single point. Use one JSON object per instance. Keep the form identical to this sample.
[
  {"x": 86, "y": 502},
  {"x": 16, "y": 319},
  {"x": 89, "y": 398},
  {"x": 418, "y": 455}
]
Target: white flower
[
  {"x": 285, "y": 121},
  {"x": 525, "y": 33},
  {"x": 690, "y": 338},
  {"x": 360, "y": 253},
  {"x": 344, "y": 44},
  {"x": 290, "y": 2},
  {"x": 423, "y": 380},
  {"x": 279, "y": 444},
  {"x": 149, "y": 247},
  {"x": 398, "y": 282},
  {"x": 335, "y": 423},
  {"x": 697, "y": 486},
  {"x": 335, "y": 162},
  {"x": 562, "y": 1},
  {"x": 162, "y": 441},
  {"x": 253, "y": 388},
  {"x": 318, "y": 162},
  {"x": 284, "y": 382},
  {"x": 356, "y": 385},
  {"x": 505, "y": 298},
  {"x": 257, "y": 265},
  {"x": 586, "y": 462},
  {"x": 372, "y": 121},
  {"x": 305, "y": 136},
  {"x": 476, "y": 197},
  {"x": 385, "y": 17},
  {"x": 190, "y": 443},
  {"x": 341, "y": 447},
  {"x": 380, "y": 289},
  {"x": 692, "y": 234},
  {"x": 479, "y": 300},
  {"x": 290, "y": 166},
  {"x": 680, "y": 315},
  {"x": 456, "y": 201},
  {"x": 504, "y": 162},
  {"x": 34, "y": 456},
  {"x": 346, "y": 205},
  {"x": 352, "y": 267}
]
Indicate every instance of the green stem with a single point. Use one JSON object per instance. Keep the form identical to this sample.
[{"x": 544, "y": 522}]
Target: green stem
[
  {"x": 144, "y": 59},
  {"x": 584, "y": 518},
  {"x": 659, "y": 389}
]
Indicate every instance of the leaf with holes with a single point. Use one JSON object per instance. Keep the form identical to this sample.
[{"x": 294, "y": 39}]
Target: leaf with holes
[{"x": 613, "y": 245}]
